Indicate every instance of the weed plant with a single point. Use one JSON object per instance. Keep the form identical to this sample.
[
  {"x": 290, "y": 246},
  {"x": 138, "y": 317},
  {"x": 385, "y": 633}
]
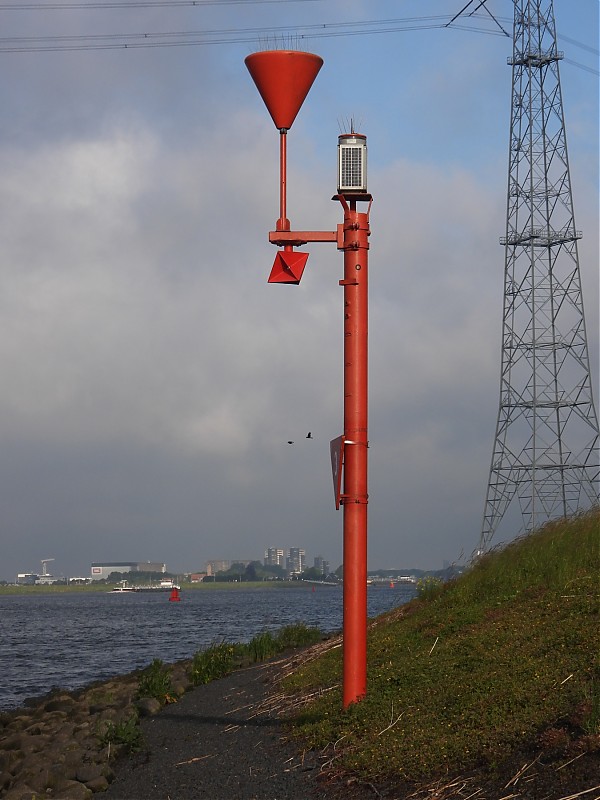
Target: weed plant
[
  {"x": 155, "y": 681},
  {"x": 207, "y": 665},
  {"x": 222, "y": 658},
  {"x": 298, "y": 635},
  {"x": 127, "y": 735},
  {"x": 462, "y": 676},
  {"x": 263, "y": 646},
  {"x": 213, "y": 663}
]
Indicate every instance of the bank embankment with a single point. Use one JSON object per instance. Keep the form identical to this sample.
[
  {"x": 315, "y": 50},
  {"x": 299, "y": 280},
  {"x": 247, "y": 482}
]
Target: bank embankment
[
  {"x": 493, "y": 673},
  {"x": 487, "y": 687},
  {"x": 64, "y": 745},
  {"x": 67, "y": 744}
]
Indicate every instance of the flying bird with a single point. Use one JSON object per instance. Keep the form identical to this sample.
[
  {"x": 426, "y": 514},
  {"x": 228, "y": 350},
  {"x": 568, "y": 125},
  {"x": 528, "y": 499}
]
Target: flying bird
[{"x": 308, "y": 436}]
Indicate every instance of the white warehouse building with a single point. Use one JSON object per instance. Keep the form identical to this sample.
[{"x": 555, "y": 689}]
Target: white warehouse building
[{"x": 102, "y": 569}]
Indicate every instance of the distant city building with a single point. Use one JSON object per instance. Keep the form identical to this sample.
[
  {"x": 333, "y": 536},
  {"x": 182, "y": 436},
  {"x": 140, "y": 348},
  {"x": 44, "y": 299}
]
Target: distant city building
[
  {"x": 46, "y": 579},
  {"x": 27, "y": 578},
  {"x": 102, "y": 569},
  {"x": 34, "y": 578},
  {"x": 295, "y": 562},
  {"x": 151, "y": 566},
  {"x": 322, "y": 565},
  {"x": 212, "y": 567},
  {"x": 274, "y": 557}
]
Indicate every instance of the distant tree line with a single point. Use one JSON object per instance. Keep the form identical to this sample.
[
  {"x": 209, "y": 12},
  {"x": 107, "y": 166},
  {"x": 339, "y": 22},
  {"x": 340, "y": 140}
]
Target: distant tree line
[{"x": 257, "y": 571}]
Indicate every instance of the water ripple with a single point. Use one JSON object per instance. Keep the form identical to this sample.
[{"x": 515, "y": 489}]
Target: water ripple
[{"x": 70, "y": 640}]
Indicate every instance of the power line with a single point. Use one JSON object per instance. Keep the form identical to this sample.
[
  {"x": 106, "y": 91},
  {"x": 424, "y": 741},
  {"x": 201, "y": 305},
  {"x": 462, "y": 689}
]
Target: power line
[
  {"x": 144, "y": 40},
  {"x": 581, "y": 66},
  {"x": 579, "y": 44},
  {"x": 114, "y": 41},
  {"x": 136, "y": 4},
  {"x": 226, "y": 31},
  {"x": 482, "y": 4}
]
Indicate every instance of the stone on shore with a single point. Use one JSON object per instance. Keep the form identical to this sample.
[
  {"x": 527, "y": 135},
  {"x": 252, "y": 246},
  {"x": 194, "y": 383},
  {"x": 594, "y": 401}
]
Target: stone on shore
[
  {"x": 148, "y": 706},
  {"x": 63, "y": 745}
]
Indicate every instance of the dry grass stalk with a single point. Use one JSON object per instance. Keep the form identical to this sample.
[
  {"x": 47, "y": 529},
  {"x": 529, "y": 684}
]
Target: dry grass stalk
[
  {"x": 280, "y": 704},
  {"x": 392, "y": 720},
  {"x": 393, "y": 615},
  {"x": 580, "y": 794},
  {"x": 440, "y": 790},
  {"x": 434, "y": 644},
  {"x": 566, "y": 679},
  {"x": 520, "y": 773},
  {"x": 293, "y": 662},
  {"x": 570, "y": 761},
  {"x": 193, "y": 760}
]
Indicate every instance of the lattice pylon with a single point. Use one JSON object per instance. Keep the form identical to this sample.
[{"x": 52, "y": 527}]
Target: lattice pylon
[{"x": 546, "y": 447}]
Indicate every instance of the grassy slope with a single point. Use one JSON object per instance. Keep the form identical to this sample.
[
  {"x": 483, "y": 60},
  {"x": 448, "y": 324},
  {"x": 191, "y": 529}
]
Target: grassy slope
[{"x": 472, "y": 671}]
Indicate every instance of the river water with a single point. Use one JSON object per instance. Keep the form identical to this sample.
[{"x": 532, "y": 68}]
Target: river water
[{"x": 69, "y": 640}]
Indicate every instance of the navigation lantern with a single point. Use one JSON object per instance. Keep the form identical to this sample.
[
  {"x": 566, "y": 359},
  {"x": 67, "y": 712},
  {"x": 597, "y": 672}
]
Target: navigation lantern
[{"x": 352, "y": 163}]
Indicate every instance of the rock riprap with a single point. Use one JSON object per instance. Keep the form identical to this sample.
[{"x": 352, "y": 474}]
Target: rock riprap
[{"x": 63, "y": 745}]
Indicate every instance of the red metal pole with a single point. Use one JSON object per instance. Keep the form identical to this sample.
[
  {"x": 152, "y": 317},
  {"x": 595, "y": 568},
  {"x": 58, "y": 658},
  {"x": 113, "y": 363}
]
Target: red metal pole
[
  {"x": 283, "y": 223},
  {"x": 355, "y": 496},
  {"x": 283, "y": 79}
]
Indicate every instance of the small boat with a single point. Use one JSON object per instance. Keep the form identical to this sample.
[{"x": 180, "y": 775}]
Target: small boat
[
  {"x": 163, "y": 586},
  {"x": 122, "y": 588}
]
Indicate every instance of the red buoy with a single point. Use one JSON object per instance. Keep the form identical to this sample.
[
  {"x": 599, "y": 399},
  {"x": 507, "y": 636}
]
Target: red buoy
[{"x": 174, "y": 598}]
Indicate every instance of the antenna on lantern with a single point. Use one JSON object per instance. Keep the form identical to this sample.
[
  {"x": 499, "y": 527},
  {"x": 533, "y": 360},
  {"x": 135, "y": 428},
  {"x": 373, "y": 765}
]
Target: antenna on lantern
[{"x": 283, "y": 79}]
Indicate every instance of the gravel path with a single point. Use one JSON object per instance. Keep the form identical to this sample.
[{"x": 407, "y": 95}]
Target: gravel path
[{"x": 219, "y": 742}]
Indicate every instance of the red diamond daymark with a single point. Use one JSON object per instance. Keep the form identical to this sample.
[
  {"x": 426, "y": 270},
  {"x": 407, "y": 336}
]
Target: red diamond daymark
[{"x": 288, "y": 266}]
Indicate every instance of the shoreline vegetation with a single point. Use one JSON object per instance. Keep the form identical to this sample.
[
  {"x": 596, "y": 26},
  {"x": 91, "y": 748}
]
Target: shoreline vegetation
[
  {"x": 64, "y": 745},
  {"x": 188, "y": 587},
  {"x": 486, "y": 686}
]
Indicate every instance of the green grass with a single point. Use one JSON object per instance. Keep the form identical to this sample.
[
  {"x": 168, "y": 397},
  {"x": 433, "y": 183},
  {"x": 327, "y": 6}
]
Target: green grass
[
  {"x": 463, "y": 676},
  {"x": 213, "y": 663},
  {"x": 222, "y": 658},
  {"x": 127, "y": 734},
  {"x": 51, "y": 589},
  {"x": 155, "y": 681}
]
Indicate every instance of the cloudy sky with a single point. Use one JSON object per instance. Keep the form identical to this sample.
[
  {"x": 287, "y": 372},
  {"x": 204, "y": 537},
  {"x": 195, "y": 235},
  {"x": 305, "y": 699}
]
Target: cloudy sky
[{"x": 151, "y": 378}]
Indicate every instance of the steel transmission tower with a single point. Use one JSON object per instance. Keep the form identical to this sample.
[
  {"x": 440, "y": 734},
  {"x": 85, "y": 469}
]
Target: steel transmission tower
[{"x": 545, "y": 450}]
